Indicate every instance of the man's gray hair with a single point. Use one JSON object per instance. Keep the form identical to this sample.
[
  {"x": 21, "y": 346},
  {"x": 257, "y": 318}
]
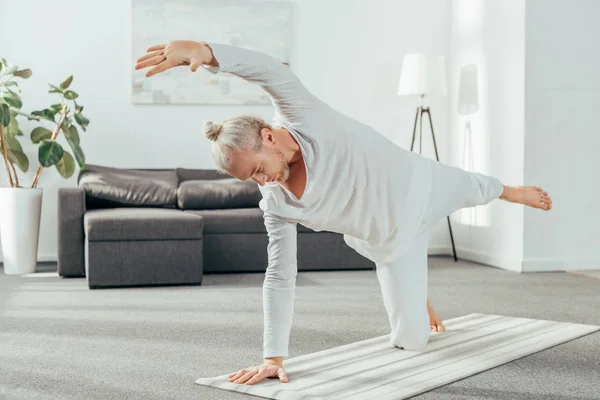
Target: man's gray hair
[{"x": 235, "y": 134}]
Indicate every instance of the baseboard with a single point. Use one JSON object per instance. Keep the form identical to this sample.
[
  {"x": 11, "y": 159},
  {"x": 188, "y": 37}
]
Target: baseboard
[
  {"x": 439, "y": 250},
  {"x": 581, "y": 265},
  {"x": 542, "y": 265},
  {"x": 528, "y": 265},
  {"x": 524, "y": 266},
  {"x": 552, "y": 265},
  {"x": 41, "y": 258},
  {"x": 477, "y": 256}
]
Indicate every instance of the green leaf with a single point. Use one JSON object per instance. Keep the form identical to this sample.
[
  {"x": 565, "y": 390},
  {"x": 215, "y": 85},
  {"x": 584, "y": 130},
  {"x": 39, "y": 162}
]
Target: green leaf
[
  {"x": 45, "y": 113},
  {"x": 20, "y": 133},
  {"x": 71, "y": 95},
  {"x": 13, "y": 126},
  {"x": 10, "y": 83},
  {"x": 12, "y": 99},
  {"x": 72, "y": 134},
  {"x": 82, "y": 121},
  {"x": 19, "y": 158},
  {"x": 11, "y": 70},
  {"x": 79, "y": 156},
  {"x": 39, "y": 134},
  {"x": 78, "y": 108},
  {"x": 4, "y": 115},
  {"x": 24, "y": 73},
  {"x": 50, "y": 153},
  {"x": 13, "y": 144},
  {"x": 66, "y": 165},
  {"x": 55, "y": 89},
  {"x": 56, "y": 108},
  {"x": 67, "y": 83}
]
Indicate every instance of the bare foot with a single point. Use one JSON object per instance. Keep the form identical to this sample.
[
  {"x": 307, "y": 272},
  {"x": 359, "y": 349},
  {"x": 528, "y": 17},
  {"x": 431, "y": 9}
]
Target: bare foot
[
  {"x": 435, "y": 322},
  {"x": 531, "y": 196}
]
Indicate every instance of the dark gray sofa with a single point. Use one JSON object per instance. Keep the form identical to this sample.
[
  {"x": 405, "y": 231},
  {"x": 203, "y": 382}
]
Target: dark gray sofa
[{"x": 138, "y": 227}]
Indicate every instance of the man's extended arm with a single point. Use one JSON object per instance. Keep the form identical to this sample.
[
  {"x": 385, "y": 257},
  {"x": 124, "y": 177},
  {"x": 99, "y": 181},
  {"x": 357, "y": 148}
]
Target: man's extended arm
[{"x": 288, "y": 94}]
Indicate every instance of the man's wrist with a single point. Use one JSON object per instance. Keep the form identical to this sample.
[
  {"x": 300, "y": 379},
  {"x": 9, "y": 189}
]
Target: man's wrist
[
  {"x": 274, "y": 360},
  {"x": 212, "y": 61}
]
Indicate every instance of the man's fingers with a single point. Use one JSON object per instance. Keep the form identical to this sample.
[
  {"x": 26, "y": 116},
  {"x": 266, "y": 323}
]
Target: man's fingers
[
  {"x": 163, "y": 66},
  {"x": 157, "y": 47},
  {"x": 258, "y": 377},
  {"x": 149, "y": 55},
  {"x": 245, "y": 377},
  {"x": 236, "y": 375},
  {"x": 149, "y": 62},
  {"x": 195, "y": 64},
  {"x": 282, "y": 375}
]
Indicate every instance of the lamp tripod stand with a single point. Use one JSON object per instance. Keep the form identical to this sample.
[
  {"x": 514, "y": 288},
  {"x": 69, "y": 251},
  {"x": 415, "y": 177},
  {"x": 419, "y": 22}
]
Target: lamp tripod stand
[{"x": 419, "y": 117}]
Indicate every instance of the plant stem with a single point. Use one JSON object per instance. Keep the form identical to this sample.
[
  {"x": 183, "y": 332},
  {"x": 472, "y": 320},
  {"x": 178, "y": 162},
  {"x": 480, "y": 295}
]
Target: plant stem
[
  {"x": 54, "y": 135},
  {"x": 16, "y": 110},
  {"x": 5, "y": 153},
  {"x": 15, "y": 172}
]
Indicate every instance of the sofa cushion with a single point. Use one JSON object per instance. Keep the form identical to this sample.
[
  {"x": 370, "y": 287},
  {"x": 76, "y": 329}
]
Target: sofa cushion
[
  {"x": 117, "y": 187},
  {"x": 186, "y": 174},
  {"x": 302, "y": 229},
  {"x": 141, "y": 224},
  {"x": 237, "y": 220},
  {"x": 233, "y": 220},
  {"x": 217, "y": 194}
]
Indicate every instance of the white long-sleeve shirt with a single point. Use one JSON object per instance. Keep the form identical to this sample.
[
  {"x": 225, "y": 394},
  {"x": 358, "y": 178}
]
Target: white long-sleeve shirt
[{"x": 359, "y": 184}]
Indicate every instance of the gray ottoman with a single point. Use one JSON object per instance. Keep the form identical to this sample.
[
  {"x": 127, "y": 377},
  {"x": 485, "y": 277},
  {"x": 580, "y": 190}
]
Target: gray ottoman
[{"x": 142, "y": 247}]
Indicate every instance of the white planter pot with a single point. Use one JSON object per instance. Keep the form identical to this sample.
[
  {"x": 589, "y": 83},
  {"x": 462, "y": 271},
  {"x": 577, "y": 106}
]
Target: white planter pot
[{"x": 20, "y": 211}]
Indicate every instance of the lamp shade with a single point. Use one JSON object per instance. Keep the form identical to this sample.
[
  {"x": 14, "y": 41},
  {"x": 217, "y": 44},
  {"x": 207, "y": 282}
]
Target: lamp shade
[
  {"x": 468, "y": 90},
  {"x": 422, "y": 75}
]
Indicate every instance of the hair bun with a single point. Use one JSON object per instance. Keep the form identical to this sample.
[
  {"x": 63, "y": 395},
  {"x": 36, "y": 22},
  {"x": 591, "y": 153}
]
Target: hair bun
[{"x": 212, "y": 130}]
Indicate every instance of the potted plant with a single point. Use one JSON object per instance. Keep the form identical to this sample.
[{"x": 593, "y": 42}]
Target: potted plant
[{"x": 20, "y": 207}]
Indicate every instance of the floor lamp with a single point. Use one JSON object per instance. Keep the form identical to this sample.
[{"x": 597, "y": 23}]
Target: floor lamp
[
  {"x": 467, "y": 105},
  {"x": 421, "y": 76}
]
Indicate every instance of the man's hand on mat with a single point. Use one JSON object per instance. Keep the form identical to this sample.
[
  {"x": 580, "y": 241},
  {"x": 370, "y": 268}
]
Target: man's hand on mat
[
  {"x": 269, "y": 368},
  {"x": 175, "y": 53}
]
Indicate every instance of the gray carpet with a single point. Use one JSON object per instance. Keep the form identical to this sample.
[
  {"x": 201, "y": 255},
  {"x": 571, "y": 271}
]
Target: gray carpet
[{"x": 59, "y": 340}]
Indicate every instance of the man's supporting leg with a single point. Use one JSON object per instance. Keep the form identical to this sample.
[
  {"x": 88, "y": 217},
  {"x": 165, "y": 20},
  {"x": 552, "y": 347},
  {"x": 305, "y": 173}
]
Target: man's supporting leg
[{"x": 404, "y": 289}]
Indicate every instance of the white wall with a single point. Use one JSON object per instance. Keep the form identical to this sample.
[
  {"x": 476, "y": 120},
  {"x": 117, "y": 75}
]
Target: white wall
[
  {"x": 490, "y": 34},
  {"x": 353, "y": 62},
  {"x": 348, "y": 52},
  {"x": 92, "y": 41},
  {"x": 562, "y": 138}
]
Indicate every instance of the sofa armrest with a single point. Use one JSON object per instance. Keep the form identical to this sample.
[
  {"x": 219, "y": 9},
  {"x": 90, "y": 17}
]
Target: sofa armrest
[{"x": 71, "y": 236}]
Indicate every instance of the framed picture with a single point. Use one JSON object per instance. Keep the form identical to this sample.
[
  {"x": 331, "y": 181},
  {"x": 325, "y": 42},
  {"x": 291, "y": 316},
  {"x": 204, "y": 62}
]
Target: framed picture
[{"x": 254, "y": 24}]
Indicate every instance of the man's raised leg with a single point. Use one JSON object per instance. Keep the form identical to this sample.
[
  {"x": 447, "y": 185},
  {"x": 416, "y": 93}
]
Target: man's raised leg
[{"x": 453, "y": 188}]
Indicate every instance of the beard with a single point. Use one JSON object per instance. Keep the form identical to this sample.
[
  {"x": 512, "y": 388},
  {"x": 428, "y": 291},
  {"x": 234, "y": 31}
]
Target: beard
[{"x": 284, "y": 167}]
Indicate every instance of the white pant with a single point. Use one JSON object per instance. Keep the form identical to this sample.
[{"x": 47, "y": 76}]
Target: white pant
[{"x": 404, "y": 281}]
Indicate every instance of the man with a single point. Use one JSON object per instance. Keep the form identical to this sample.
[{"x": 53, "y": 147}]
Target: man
[{"x": 322, "y": 169}]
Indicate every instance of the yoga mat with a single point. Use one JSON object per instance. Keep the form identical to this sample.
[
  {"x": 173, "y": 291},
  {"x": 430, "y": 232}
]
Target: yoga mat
[{"x": 374, "y": 369}]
